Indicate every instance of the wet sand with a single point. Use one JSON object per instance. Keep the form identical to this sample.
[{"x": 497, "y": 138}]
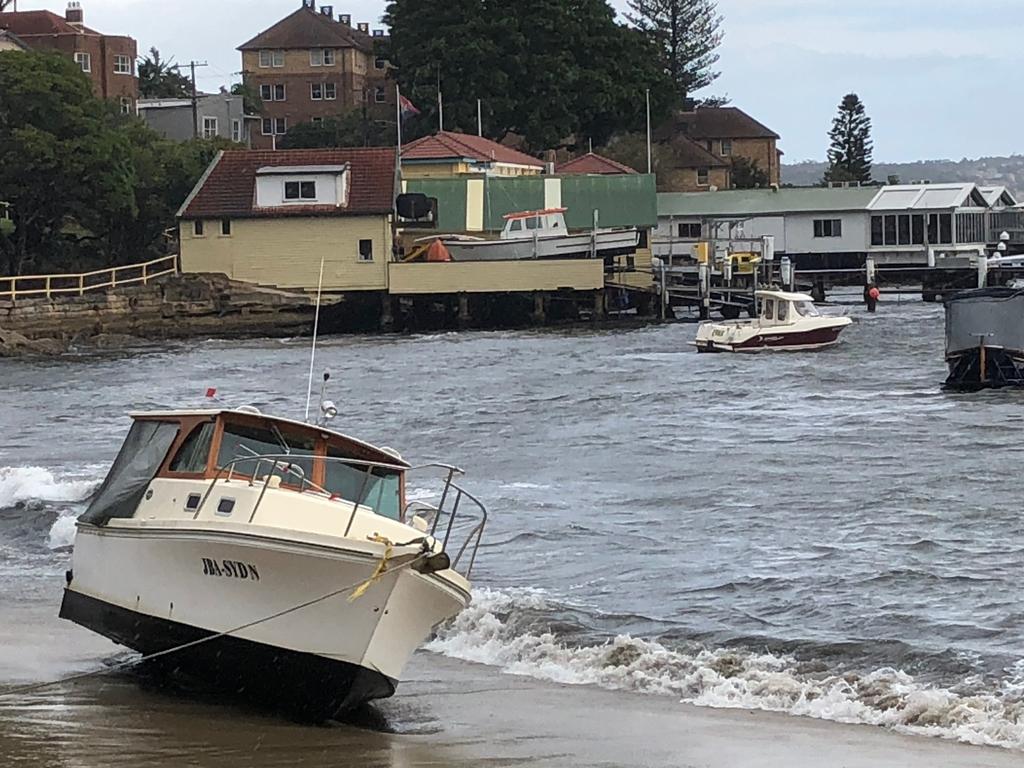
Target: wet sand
[{"x": 447, "y": 713}]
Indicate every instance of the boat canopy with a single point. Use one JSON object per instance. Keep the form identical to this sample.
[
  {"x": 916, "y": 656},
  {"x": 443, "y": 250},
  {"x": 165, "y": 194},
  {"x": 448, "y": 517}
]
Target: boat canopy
[{"x": 137, "y": 463}]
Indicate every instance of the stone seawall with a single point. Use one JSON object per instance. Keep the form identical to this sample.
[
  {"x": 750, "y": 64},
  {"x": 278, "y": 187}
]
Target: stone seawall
[{"x": 180, "y": 306}]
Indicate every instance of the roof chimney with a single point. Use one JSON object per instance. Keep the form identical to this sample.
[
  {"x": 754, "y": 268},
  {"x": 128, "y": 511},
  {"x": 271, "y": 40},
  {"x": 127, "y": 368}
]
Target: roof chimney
[
  {"x": 345, "y": 19},
  {"x": 378, "y": 33},
  {"x": 74, "y": 15},
  {"x": 364, "y": 27},
  {"x": 327, "y": 10}
]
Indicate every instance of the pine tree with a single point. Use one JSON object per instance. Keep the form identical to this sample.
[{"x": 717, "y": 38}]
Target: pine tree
[
  {"x": 689, "y": 33},
  {"x": 849, "y": 154}
]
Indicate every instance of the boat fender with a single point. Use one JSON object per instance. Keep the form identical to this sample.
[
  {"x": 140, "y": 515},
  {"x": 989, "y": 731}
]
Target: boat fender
[{"x": 439, "y": 561}]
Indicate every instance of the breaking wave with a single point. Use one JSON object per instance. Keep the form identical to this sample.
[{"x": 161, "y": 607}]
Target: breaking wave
[
  {"x": 495, "y": 630},
  {"x": 46, "y": 495}
]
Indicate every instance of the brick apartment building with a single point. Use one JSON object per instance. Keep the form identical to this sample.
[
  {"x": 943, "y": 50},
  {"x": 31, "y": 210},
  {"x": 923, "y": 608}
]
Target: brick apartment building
[
  {"x": 108, "y": 60},
  {"x": 727, "y": 133},
  {"x": 310, "y": 66}
]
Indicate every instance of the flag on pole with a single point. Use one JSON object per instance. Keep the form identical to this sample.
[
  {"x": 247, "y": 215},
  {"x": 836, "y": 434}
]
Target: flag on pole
[{"x": 406, "y": 108}]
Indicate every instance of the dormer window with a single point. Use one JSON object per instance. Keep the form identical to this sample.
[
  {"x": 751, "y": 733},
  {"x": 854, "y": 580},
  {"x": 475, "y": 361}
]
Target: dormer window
[{"x": 300, "y": 190}]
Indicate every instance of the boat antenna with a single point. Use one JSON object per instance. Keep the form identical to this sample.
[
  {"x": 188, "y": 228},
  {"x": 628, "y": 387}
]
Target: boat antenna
[{"x": 316, "y": 328}]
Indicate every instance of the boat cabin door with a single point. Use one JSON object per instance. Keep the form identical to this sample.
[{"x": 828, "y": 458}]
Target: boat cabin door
[{"x": 774, "y": 311}]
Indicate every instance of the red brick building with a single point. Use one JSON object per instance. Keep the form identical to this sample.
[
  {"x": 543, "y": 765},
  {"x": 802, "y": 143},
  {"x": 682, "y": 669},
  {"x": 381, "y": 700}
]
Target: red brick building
[
  {"x": 310, "y": 66},
  {"x": 108, "y": 60},
  {"x": 727, "y": 133}
]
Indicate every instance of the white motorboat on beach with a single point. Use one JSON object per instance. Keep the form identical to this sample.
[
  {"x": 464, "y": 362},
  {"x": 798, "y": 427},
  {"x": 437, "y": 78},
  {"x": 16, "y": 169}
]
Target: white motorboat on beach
[
  {"x": 540, "y": 235},
  {"x": 274, "y": 559},
  {"x": 785, "y": 321}
]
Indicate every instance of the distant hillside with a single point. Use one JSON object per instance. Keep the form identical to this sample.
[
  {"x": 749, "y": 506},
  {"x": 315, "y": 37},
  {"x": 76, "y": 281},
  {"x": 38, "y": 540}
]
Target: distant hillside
[{"x": 984, "y": 170}]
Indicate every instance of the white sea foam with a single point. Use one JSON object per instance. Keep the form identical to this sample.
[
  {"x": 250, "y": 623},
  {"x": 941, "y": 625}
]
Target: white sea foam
[
  {"x": 23, "y": 484},
  {"x": 486, "y": 633},
  {"x": 18, "y": 484}
]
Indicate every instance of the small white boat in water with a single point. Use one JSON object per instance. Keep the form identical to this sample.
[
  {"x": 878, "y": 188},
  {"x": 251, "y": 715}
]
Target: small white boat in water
[
  {"x": 541, "y": 235},
  {"x": 274, "y": 559},
  {"x": 785, "y": 321}
]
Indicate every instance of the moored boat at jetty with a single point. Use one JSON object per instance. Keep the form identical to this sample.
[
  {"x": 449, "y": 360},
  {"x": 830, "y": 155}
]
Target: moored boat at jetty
[
  {"x": 784, "y": 321},
  {"x": 541, "y": 235},
  {"x": 274, "y": 559},
  {"x": 985, "y": 338}
]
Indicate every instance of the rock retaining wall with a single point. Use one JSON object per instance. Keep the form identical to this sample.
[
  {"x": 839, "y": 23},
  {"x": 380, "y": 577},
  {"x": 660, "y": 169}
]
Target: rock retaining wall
[{"x": 174, "y": 307}]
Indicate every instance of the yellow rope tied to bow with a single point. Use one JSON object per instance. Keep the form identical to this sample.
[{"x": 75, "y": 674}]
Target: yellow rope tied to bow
[{"x": 379, "y": 571}]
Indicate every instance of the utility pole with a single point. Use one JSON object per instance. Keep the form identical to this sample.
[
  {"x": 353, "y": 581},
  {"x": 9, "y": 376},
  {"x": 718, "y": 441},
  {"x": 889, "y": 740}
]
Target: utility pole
[{"x": 195, "y": 98}]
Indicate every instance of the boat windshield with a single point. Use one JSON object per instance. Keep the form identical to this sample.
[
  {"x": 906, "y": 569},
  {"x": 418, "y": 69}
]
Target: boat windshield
[
  {"x": 241, "y": 442},
  {"x": 806, "y": 308},
  {"x": 376, "y": 487}
]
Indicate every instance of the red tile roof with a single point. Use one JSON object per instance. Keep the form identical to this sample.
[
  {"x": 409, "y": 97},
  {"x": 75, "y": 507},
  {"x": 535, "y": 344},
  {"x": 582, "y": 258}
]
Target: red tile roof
[
  {"x": 593, "y": 163},
  {"x": 721, "y": 123},
  {"x": 449, "y": 145},
  {"x": 305, "y": 28},
  {"x": 229, "y": 186}
]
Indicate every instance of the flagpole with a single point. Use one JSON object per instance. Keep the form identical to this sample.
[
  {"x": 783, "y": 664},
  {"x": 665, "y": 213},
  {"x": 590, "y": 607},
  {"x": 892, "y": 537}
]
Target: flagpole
[
  {"x": 648, "y": 130},
  {"x": 398, "y": 120},
  {"x": 479, "y": 120},
  {"x": 440, "y": 105}
]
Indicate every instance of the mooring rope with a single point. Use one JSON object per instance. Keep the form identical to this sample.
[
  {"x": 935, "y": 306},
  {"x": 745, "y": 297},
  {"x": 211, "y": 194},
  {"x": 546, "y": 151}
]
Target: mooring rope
[{"x": 360, "y": 587}]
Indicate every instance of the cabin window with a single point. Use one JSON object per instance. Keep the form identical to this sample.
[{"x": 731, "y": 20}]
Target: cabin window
[
  {"x": 876, "y": 231},
  {"x": 516, "y": 225},
  {"x": 246, "y": 443},
  {"x": 378, "y": 487},
  {"x": 783, "y": 310},
  {"x": 533, "y": 222},
  {"x": 769, "y": 309},
  {"x": 806, "y": 308},
  {"x": 193, "y": 453}
]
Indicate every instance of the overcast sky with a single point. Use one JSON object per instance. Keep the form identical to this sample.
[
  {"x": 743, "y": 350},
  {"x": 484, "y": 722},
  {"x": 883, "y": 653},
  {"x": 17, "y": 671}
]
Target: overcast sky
[{"x": 931, "y": 72}]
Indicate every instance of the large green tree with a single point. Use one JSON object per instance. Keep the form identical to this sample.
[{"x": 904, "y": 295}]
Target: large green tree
[
  {"x": 86, "y": 186},
  {"x": 63, "y": 166},
  {"x": 160, "y": 79},
  {"x": 553, "y": 72},
  {"x": 688, "y": 33},
  {"x": 354, "y": 129},
  {"x": 850, "y": 147}
]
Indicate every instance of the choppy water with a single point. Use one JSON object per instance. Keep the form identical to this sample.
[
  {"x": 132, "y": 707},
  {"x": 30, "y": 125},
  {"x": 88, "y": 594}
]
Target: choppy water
[{"x": 825, "y": 534}]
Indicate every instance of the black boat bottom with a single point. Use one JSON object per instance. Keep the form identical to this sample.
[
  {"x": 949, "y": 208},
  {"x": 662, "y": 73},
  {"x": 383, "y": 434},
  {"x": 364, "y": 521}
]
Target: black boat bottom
[
  {"x": 984, "y": 368},
  {"x": 303, "y": 685}
]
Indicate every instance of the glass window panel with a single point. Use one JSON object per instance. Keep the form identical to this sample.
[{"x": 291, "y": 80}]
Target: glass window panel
[{"x": 193, "y": 453}]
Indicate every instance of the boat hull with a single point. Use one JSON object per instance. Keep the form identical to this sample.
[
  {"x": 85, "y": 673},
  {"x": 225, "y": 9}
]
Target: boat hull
[
  {"x": 131, "y": 582},
  {"x": 769, "y": 339},
  {"x": 985, "y": 339},
  {"x": 604, "y": 244},
  {"x": 302, "y": 685}
]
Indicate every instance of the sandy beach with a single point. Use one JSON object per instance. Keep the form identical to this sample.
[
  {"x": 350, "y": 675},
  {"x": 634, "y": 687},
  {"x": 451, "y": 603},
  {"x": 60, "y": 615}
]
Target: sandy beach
[{"x": 447, "y": 713}]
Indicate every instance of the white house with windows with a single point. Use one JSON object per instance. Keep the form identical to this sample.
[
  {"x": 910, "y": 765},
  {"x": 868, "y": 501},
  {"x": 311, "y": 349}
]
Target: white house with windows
[
  {"x": 816, "y": 226},
  {"x": 271, "y": 217}
]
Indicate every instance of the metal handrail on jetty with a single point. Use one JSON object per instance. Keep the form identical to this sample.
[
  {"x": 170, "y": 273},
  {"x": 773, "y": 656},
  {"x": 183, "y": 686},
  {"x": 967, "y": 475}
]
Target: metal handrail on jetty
[{"x": 451, "y": 491}]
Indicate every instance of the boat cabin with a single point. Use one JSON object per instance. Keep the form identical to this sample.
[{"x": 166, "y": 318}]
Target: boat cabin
[
  {"x": 545, "y": 223},
  {"x": 246, "y": 445},
  {"x": 783, "y": 307}
]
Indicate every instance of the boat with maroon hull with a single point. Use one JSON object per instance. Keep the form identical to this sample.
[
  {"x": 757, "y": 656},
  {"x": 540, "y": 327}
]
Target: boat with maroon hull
[
  {"x": 270, "y": 559},
  {"x": 985, "y": 339},
  {"x": 785, "y": 321}
]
